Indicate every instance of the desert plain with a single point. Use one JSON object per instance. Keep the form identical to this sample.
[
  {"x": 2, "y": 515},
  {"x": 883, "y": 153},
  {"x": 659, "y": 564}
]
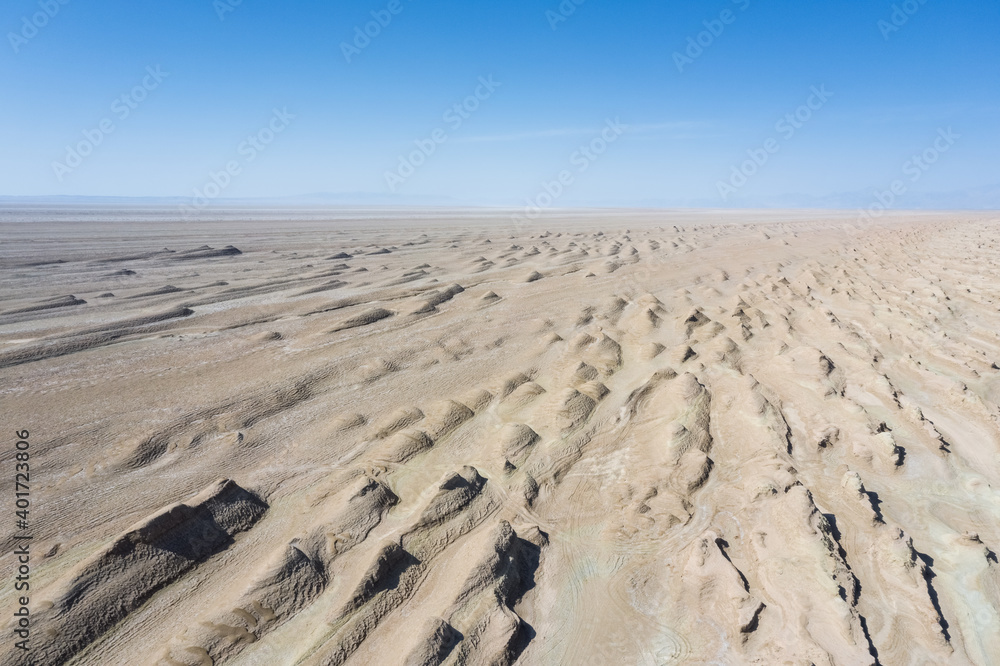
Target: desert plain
[{"x": 455, "y": 437}]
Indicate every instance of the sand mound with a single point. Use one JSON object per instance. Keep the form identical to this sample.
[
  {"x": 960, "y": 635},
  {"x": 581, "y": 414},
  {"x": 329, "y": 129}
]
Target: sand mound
[
  {"x": 99, "y": 592},
  {"x": 49, "y": 304},
  {"x": 363, "y": 319}
]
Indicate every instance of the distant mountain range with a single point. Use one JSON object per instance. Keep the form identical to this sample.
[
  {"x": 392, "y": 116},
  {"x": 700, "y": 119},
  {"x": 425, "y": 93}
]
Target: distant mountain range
[
  {"x": 316, "y": 199},
  {"x": 980, "y": 198}
]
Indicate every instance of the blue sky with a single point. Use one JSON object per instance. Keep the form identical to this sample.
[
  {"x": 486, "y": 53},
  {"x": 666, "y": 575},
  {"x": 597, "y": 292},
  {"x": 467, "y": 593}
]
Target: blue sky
[{"x": 558, "y": 74}]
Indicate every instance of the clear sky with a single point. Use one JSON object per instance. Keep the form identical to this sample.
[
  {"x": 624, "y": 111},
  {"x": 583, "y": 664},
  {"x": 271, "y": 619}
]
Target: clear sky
[{"x": 296, "y": 99}]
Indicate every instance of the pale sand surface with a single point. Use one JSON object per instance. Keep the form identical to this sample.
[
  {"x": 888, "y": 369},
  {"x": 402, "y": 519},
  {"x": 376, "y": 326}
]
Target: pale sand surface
[{"x": 603, "y": 437}]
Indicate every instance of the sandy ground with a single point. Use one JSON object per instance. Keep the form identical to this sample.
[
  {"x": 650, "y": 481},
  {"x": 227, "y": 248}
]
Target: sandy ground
[{"x": 440, "y": 437}]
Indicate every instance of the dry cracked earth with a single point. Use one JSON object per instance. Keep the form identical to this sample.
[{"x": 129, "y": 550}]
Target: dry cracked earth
[{"x": 443, "y": 438}]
